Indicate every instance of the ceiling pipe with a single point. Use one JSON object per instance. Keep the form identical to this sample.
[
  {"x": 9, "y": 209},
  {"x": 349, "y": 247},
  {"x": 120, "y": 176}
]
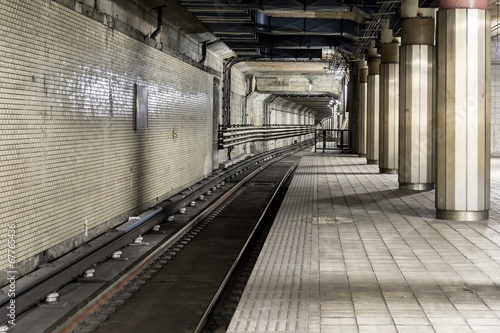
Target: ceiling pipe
[
  {"x": 160, "y": 22},
  {"x": 267, "y": 109},
  {"x": 203, "y": 52},
  {"x": 226, "y": 90}
]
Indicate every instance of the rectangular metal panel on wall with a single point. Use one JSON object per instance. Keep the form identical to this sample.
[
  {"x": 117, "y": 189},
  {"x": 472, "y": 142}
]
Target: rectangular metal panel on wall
[
  {"x": 69, "y": 149},
  {"x": 141, "y": 107}
]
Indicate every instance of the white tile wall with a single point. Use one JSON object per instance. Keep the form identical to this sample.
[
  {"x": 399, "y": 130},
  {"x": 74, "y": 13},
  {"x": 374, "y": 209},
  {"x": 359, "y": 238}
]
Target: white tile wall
[{"x": 69, "y": 151}]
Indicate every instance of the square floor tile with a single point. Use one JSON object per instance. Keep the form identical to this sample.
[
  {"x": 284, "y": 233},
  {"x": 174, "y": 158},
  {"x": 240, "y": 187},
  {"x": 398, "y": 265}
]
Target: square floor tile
[{"x": 454, "y": 329}]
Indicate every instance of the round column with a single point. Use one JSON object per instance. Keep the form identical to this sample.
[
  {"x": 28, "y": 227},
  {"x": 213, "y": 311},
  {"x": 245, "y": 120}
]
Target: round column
[
  {"x": 463, "y": 111},
  {"x": 417, "y": 104},
  {"x": 372, "y": 106},
  {"x": 363, "y": 79},
  {"x": 389, "y": 107}
]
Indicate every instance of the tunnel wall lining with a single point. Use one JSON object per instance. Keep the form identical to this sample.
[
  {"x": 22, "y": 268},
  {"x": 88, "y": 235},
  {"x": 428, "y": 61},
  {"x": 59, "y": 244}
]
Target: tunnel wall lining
[{"x": 69, "y": 150}]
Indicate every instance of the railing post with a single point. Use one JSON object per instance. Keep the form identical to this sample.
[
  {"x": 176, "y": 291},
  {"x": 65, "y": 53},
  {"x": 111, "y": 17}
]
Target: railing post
[
  {"x": 341, "y": 141},
  {"x": 315, "y": 139},
  {"x": 324, "y": 140},
  {"x": 350, "y": 138}
]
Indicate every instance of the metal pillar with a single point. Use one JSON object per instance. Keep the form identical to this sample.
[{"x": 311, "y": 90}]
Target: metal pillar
[
  {"x": 389, "y": 101},
  {"x": 363, "y": 79},
  {"x": 416, "y": 97},
  {"x": 372, "y": 105},
  {"x": 463, "y": 110}
]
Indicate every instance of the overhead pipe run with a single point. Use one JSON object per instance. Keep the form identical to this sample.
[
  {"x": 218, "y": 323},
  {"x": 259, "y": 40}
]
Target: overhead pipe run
[
  {"x": 203, "y": 52},
  {"x": 226, "y": 90},
  {"x": 267, "y": 109}
]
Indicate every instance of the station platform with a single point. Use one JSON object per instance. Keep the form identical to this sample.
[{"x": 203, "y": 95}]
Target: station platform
[{"x": 351, "y": 252}]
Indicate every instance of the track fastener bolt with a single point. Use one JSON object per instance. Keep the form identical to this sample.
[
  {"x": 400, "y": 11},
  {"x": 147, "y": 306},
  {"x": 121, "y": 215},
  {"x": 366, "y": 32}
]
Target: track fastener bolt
[
  {"x": 192, "y": 204},
  {"x": 51, "y": 298},
  {"x": 89, "y": 273},
  {"x": 117, "y": 255},
  {"x": 182, "y": 210},
  {"x": 201, "y": 198},
  {"x": 138, "y": 240},
  {"x": 156, "y": 228}
]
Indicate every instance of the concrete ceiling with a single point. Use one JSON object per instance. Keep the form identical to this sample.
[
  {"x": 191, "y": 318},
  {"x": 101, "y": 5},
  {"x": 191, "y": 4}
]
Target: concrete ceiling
[
  {"x": 278, "y": 67},
  {"x": 278, "y": 29},
  {"x": 287, "y": 36},
  {"x": 317, "y": 103},
  {"x": 275, "y": 36}
]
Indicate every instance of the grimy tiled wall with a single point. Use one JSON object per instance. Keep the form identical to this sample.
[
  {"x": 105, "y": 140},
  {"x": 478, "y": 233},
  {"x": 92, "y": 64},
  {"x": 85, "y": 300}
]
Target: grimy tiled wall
[{"x": 69, "y": 152}]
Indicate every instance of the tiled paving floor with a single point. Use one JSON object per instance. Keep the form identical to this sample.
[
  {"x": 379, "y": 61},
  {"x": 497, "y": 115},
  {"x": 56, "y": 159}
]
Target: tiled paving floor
[{"x": 350, "y": 252}]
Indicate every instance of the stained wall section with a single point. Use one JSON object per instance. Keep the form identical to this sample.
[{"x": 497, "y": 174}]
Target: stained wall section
[{"x": 69, "y": 152}]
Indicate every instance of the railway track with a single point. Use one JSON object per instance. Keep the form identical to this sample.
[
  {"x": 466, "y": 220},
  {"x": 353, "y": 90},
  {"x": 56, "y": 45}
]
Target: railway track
[{"x": 106, "y": 291}]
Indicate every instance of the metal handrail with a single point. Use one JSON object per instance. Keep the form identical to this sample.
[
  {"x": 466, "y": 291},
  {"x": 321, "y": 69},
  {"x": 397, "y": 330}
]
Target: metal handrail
[{"x": 344, "y": 143}]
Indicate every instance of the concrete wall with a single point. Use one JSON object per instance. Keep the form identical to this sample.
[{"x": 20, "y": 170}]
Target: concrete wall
[
  {"x": 257, "y": 110},
  {"x": 69, "y": 151},
  {"x": 299, "y": 84},
  {"x": 177, "y": 38},
  {"x": 239, "y": 114},
  {"x": 264, "y": 109}
]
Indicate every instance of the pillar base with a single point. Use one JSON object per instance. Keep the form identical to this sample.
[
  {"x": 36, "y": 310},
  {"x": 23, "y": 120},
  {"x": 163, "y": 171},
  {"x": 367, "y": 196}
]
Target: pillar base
[
  {"x": 416, "y": 186},
  {"x": 372, "y": 162},
  {"x": 389, "y": 171},
  {"x": 362, "y": 155},
  {"x": 462, "y": 215}
]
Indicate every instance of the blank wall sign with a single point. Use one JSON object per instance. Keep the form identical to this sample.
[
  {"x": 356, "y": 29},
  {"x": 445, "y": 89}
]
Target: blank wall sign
[{"x": 141, "y": 105}]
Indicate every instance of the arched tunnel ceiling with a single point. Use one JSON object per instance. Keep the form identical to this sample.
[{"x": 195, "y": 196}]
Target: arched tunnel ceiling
[{"x": 318, "y": 103}]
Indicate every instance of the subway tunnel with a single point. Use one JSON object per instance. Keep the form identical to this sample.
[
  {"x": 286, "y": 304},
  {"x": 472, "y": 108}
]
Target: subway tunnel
[{"x": 117, "y": 112}]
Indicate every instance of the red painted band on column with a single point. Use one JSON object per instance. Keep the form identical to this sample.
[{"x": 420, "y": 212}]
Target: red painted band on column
[{"x": 471, "y": 4}]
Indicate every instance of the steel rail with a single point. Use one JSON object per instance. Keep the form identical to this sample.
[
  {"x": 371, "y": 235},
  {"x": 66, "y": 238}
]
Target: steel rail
[
  {"x": 94, "y": 304},
  {"x": 230, "y": 273},
  {"x": 30, "y": 291}
]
